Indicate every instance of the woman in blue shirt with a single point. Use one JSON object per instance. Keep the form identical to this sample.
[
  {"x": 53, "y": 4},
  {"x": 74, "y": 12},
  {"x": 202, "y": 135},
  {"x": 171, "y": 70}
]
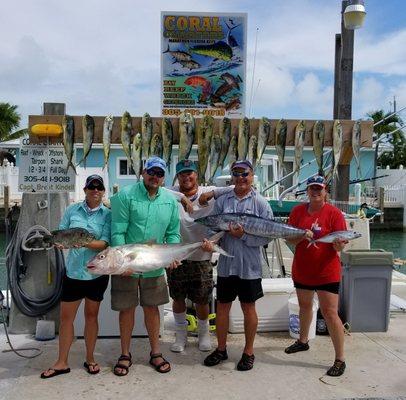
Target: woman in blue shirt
[{"x": 92, "y": 215}]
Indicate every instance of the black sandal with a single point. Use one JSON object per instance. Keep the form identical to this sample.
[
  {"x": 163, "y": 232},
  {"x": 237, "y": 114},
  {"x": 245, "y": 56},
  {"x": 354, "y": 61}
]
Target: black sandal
[
  {"x": 123, "y": 357},
  {"x": 215, "y": 358},
  {"x": 246, "y": 363},
  {"x": 158, "y": 367},
  {"x": 337, "y": 369},
  {"x": 297, "y": 346}
]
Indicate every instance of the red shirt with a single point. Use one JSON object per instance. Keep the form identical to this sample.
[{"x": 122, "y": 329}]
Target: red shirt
[{"x": 317, "y": 265}]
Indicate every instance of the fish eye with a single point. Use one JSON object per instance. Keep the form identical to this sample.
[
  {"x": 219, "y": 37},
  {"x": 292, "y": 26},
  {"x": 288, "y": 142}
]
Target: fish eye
[{"x": 102, "y": 256}]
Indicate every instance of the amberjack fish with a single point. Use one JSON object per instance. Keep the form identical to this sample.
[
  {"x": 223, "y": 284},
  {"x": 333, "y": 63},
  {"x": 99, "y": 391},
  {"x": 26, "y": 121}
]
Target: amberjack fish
[
  {"x": 264, "y": 133},
  {"x": 156, "y": 148},
  {"x": 300, "y": 133},
  {"x": 243, "y": 138},
  {"x": 318, "y": 144},
  {"x": 215, "y": 152},
  {"x": 126, "y": 132},
  {"x": 204, "y": 135},
  {"x": 167, "y": 139},
  {"x": 107, "y": 132},
  {"x": 219, "y": 50},
  {"x": 252, "y": 150},
  {"x": 338, "y": 235},
  {"x": 136, "y": 155},
  {"x": 225, "y": 135},
  {"x": 68, "y": 126},
  {"x": 280, "y": 143},
  {"x": 186, "y": 135},
  {"x": 337, "y": 145},
  {"x": 146, "y": 133},
  {"x": 356, "y": 144},
  {"x": 88, "y": 135}
]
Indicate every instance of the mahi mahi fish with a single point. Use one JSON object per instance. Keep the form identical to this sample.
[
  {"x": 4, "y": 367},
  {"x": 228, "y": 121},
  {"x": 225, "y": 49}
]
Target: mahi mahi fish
[
  {"x": 318, "y": 144},
  {"x": 69, "y": 238},
  {"x": 300, "y": 133},
  {"x": 225, "y": 135},
  {"x": 233, "y": 150},
  {"x": 68, "y": 126},
  {"x": 146, "y": 133},
  {"x": 126, "y": 131},
  {"x": 252, "y": 225},
  {"x": 337, "y": 145},
  {"x": 88, "y": 135},
  {"x": 264, "y": 132},
  {"x": 356, "y": 144},
  {"x": 280, "y": 143},
  {"x": 204, "y": 135},
  {"x": 107, "y": 131},
  {"x": 156, "y": 148},
  {"x": 252, "y": 150},
  {"x": 219, "y": 50},
  {"x": 243, "y": 138},
  {"x": 141, "y": 258},
  {"x": 186, "y": 135},
  {"x": 136, "y": 158},
  {"x": 215, "y": 151},
  {"x": 167, "y": 139},
  {"x": 338, "y": 235}
]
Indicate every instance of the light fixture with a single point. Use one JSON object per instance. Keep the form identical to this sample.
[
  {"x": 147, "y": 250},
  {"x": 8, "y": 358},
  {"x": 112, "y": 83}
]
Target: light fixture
[{"x": 354, "y": 14}]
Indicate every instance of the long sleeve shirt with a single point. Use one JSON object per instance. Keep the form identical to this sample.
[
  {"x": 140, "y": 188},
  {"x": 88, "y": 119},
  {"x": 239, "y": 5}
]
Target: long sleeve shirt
[
  {"x": 138, "y": 218},
  {"x": 246, "y": 250}
]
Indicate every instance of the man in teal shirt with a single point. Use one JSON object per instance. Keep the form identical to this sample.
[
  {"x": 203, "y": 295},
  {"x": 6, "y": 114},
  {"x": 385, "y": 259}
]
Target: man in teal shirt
[{"x": 140, "y": 213}]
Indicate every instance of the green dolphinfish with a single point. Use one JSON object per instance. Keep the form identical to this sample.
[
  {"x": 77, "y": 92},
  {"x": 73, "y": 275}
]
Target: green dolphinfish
[
  {"x": 318, "y": 144},
  {"x": 156, "y": 148},
  {"x": 204, "y": 135},
  {"x": 88, "y": 135},
  {"x": 252, "y": 154},
  {"x": 243, "y": 138},
  {"x": 167, "y": 139},
  {"x": 280, "y": 143},
  {"x": 300, "y": 133},
  {"x": 264, "y": 133},
  {"x": 215, "y": 152},
  {"x": 126, "y": 132},
  {"x": 232, "y": 150},
  {"x": 68, "y": 127},
  {"x": 337, "y": 144},
  {"x": 186, "y": 135},
  {"x": 356, "y": 145},
  {"x": 107, "y": 132},
  {"x": 136, "y": 158},
  {"x": 146, "y": 133},
  {"x": 225, "y": 136}
]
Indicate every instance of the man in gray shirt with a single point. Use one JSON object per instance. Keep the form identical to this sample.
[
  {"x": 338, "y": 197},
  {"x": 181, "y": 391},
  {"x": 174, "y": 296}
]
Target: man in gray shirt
[{"x": 241, "y": 275}]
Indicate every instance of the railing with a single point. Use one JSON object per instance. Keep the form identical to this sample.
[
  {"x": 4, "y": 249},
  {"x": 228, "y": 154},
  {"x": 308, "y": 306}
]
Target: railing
[
  {"x": 9, "y": 177},
  {"x": 395, "y": 194}
]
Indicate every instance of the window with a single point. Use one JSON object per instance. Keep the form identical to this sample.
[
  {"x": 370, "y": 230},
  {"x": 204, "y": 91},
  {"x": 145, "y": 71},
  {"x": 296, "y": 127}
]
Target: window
[{"x": 124, "y": 169}]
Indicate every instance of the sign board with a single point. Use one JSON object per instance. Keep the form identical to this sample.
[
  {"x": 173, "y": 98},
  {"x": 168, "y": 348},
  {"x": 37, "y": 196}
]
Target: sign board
[
  {"x": 38, "y": 163},
  {"x": 203, "y": 64}
]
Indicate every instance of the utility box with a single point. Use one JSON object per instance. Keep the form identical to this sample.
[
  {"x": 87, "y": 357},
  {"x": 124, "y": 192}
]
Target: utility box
[{"x": 365, "y": 289}]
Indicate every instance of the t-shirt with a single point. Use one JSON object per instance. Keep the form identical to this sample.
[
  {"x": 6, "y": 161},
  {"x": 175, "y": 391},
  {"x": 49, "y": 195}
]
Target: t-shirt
[{"x": 317, "y": 265}]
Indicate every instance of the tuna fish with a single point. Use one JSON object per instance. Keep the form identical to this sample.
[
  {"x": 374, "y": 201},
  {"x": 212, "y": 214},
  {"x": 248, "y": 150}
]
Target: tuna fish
[
  {"x": 167, "y": 139},
  {"x": 252, "y": 150},
  {"x": 338, "y": 235},
  {"x": 186, "y": 134},
  {"x": 126, "y": 132},
  {"x": 280, "y": 143},
  {"x": 264, "y": 132},
  {"x": 107, "y": 132},
  {"x": 232, "y": 150},
  {"x": 337, "y": 145},
  {"x": 204, "y": 135},
  {"x": 219, "y": 50},
  {"x": 68, "y": 126},
  {"x": 215, "y": 151},
  {"x": 356, "y": 144},
  {"x": 146, "y": 133},
  {"x": 178, "y": 55},
  {"x": 88, "y": 135},
  {"x": 225, "y": 135},
  {"x": 69, "y": 238},
  {"x": 243, "y": 138},
  {"x": 141, "y": 258},
  {"x": 136, "y": 155},
  {"x": 300, "y": 133},
  {"x": 252, "y": 225},
  {"x": 318, "y": 144}
]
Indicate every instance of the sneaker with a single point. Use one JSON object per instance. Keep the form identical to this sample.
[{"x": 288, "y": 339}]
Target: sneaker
[
  {"x": 337, "y": 369},
  {"x": 297, "y": 346},
  {"x": 215, "y": 358},
  {"x": 181, "y": 339}
]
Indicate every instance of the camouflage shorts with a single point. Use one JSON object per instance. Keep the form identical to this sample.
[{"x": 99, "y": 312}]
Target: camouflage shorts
[{"x": 192, "y": 280}]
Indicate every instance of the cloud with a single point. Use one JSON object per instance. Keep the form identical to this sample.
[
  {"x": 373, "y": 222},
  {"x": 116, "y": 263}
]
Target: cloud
[{"x": 369, "y": 95}]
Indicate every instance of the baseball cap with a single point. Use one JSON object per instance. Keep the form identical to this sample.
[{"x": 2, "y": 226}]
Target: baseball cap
[
  {"x": 241, "y": 164},
  {"x": 94, "y": 178},
  {"x": 155, "y": 162},
  {"x": 316, "y": 180},
  {"x": 185, "y": 165}
]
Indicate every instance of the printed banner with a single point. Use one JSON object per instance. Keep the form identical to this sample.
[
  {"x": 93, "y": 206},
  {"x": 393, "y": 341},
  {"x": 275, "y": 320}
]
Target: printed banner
[{"x": 203, "y": 64}]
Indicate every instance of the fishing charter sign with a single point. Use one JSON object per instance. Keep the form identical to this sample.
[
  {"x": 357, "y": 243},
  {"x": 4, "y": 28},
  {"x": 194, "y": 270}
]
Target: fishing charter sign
[
  {"x": 203, "y": 64},
  {"x": 40, "y": 164}
]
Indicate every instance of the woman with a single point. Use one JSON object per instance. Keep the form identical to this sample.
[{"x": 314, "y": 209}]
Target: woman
[
  {"x": 92, "y": 215},
  {"x": 318, "y": 268}
]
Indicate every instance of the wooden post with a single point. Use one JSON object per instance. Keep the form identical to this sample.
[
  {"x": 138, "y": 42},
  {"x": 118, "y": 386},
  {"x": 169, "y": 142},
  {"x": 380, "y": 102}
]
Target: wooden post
[
  {"x": 6, "y": 200},
  {"x": 382, "y": 204}
]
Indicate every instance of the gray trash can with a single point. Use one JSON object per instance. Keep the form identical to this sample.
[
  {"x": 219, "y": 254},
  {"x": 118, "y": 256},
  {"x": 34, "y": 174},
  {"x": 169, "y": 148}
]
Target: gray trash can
[{"x": 365, "y": 289}]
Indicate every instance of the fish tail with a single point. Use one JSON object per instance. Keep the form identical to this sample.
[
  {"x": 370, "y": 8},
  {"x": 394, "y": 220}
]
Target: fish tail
[
  {"x": 219, "y": 250},
  {"x": 217, "y": 236},
  {"x": 167, "y": 50}
]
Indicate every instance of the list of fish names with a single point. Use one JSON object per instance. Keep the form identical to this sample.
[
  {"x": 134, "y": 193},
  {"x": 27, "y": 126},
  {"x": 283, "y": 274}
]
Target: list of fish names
[{"x": 40, "y": 163}]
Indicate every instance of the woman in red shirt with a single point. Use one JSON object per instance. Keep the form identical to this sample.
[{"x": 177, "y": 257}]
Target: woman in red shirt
[{"x": 318, "y": 268}]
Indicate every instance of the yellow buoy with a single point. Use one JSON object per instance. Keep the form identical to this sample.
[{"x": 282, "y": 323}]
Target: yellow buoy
[{"x": 46, "y": 129}]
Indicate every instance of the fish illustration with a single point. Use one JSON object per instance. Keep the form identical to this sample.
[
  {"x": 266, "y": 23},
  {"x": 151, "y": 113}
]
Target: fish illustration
[
  {"x": 146, "y": 133},
  {"x": 233, "y": 104},
  {"x": 264, "y": 132},
  {"x": 280, "y": 143},
  {"x": 88, "y": 135},
  {"x": 318, "y": 144},
  {"x": 356, "y": 144},
  {"x": 107, "y": 132},
  {"x": 231, "y": 80},
  {"x": 178, "y": 55},
  {"x": 219, "y": 50},
  {"x": 300, "y": 133},
  {"x": 191, "y": 64},
  {"x": 230, "y": 38},
  {"x": 68, "y": 127},
  {"x": 337, "y": 145},
  {"x": 126, "y": 132}
]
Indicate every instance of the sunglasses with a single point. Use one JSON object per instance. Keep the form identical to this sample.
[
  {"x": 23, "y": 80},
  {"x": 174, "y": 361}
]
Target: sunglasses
[
  {"x": 94, "y": 187},
  {"x": 156, "y": 172},
  {"x": 238, "y": 174},
  {"x": 318, "y": 179}
]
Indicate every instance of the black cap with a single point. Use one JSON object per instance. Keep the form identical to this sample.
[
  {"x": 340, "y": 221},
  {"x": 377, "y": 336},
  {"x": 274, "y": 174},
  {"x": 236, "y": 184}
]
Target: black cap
[{"x": 94, "y": 178}]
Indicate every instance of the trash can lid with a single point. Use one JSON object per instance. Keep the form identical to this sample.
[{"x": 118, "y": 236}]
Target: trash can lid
[{"x": 369, "y": 257}]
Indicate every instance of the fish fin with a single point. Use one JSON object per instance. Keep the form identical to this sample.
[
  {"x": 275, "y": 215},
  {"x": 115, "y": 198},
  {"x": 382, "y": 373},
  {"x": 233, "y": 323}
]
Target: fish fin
[
  {"x": 218, "y": 249},
  {"x": 167, "y": 50},
  {"x": 217, "y": 236}
]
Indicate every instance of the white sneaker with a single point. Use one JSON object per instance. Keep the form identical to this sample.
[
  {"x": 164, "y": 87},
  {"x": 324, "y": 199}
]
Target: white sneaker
[
  {"x": 181, "y": 339},
  {"x": 204, "y": 335}
]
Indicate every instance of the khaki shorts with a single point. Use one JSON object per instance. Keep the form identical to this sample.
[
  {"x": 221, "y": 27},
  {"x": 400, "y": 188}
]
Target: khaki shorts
[{"x": 128, "y": 292}]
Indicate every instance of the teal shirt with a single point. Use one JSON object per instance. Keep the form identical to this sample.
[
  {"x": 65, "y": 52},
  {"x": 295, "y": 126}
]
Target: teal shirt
[
  {"x": 98, "y": 223},
  {"x": 136, "y": 218}
]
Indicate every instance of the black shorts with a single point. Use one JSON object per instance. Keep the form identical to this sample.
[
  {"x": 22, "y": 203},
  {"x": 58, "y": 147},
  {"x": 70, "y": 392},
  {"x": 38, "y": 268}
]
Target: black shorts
[
  {"x": 332, "y": 287},
  {"x": 247, "y": 290},
  {"x": 76, "y": 289}
]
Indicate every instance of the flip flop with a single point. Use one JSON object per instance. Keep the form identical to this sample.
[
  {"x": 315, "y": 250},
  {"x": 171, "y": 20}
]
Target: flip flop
[
  {"x": 55, "y": 373},
  {"x": 88, "y": 370}
]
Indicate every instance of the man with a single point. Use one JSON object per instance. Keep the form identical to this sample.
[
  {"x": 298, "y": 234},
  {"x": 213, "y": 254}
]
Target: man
[
  {"x": 140, "y": 213},
  {"x": 194, "y": 278},
  {"x": 241, "y": 275}
]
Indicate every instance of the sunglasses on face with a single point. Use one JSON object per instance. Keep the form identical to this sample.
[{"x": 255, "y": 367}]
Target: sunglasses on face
[
  {"x": 156, "y": 172},
  {"x": 94, "y": 187},
  {"x": 238, "y": 174}
]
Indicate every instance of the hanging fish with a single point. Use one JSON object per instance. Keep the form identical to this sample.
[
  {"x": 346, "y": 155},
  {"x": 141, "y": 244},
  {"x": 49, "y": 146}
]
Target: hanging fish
[
  {"x": 88, "y": 135},
  {"x": 186, "y": 135},
  {"x": 126, "y": 132},
  {"x": 204, "y": 135},
  {"x": 280, "y": 143},
  {"x": 225, "y": 136},
  {"x": 215, "y": 151},
  {"x": 300, "y": 133},
  {"x": 68, "y": 126},
  {"x": 318, "y": 144},
  {"x": 146, "y": 133},
  {"x": 107, "y": 132},
  {"x": 337, "y": 145},
  {"x": 136, "y": 155},
  {"x": 243, "y": 138},
  {"x": 356, "y": 144},
  {"x": 252, "y": 150},
  {"x": 167, "y": 139},
  {"x": 264, "y": 133},
  {"x": 156, "y": 148},
  {"x": 232, "y": 150}
]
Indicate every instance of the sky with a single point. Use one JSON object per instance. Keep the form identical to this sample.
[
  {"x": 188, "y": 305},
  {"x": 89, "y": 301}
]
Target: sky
[{"x": 102, "y": 57}]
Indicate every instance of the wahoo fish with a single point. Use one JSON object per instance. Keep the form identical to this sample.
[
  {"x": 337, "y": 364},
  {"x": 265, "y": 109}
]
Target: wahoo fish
[
  {"x": 204, "y": 135},
  {"x": 219, "y": 50},
  {"x": 146, "y": 133},
  {"x": 107, "y": 132},
  {"x": 68, "y": 126},
  {"x": 300, "y": 133},
  {"x": 88, "y": 135},
  {"x": 69, "y": 238},
  {"x": 356, "y": 144},
  {"x": 126, "y": 131},
  {"x": 136, "y": 155},
  {"x": 243, "y": 138},
  {"x": 232, "y": 150},
  {"x": 252, "y": 150},
  {"x": 186, "y": 135},
  {"x": 167, "y": 139},
  {"x": 156, "y": 148},
  {"x": 338, "y": 235},
  {"x": 318, "y": 144},
  {"x": 252, "y": 225},
  {"x": 215, "y": 152},
  {"x": 264, "y": 132},
  {"x": 280, "y": 143},
  {"x": 141, "y": 258},
  {"x": 337, "y": 145},
  {"x": 225, "y": 136}
]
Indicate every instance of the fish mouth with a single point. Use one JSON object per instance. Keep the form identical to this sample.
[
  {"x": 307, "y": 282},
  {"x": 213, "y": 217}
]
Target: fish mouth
[{"x": 91, "y": 266}]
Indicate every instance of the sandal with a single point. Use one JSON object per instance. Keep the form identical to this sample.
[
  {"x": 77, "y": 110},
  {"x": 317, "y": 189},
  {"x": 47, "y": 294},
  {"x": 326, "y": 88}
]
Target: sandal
[
  {"x": 246, "y": 363},
  {"x": 215, "y": 358},
  {"x": 337, "y": 369},
  {"x": 123, "y": 357},
  {"x": 90, "y": 368},
  {"x": 159, "y": 367},
  {"x": 55, "y": 372},
  {"x": 297, "y": 346}
]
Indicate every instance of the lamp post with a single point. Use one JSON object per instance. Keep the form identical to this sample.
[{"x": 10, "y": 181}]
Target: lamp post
[{"x": 352, "y": 17}]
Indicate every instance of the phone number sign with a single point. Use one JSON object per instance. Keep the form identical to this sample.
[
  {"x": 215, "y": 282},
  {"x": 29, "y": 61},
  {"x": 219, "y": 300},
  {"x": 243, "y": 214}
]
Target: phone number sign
[{"x": 38, "y": 164}]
